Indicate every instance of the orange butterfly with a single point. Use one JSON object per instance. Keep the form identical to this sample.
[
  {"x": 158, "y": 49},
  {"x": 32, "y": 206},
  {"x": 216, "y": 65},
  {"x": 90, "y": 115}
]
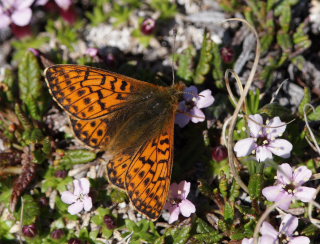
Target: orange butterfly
[{"x": 131, "y": 119}]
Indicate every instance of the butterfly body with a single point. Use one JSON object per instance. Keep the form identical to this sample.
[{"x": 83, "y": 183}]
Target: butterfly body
[{"x": 131, "y": 119}]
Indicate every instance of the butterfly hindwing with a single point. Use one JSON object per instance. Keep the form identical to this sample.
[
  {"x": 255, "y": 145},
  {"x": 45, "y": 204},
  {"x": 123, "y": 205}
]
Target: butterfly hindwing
[
  {"x": 148, "y": 176},
  {"x": 89, "y": 93}
]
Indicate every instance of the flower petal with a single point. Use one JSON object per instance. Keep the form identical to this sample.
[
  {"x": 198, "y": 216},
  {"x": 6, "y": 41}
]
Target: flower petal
[
  {"x": 41, "y": 2},
  {"x": 288, "y": 224},
  {"x": 301, "y": 175},
  {"x": 284, "y": 202},
  {"x": 299, "y": 240},
  {"x": 272, "y": 193},
  {"x": 254, "y": 127},
  {"x": 182, "y": 119},
  {"x": 263, "y": 153},
  {"x": 64, "y": 4},
  {"x": 305, "y": 194},
  {"x": 87, "y": 203},
  {"x": 275, "y": 132},
  {"x": 174, "y": 214},
  {"x": 280, "y": 147},
  {"x": 205, "y": 99},
  {"x": 22, "y": 17},
  {"x": 190, "y": 93},
  {"x": 197, "y": 115},
  {"x": 174, "y": 188},
  {"x": 284, "y": 174},
  {"x": 268, "y": 230},
  {"x": 68, "y": 197},
  {"x": 22, "y": 4},
  {"x": 265, "y": 239},
  {"x": 184, "y": 187},
  {"x": 75, "y": 208},
  {"x": 247, "y": 241},
  {"x": 244, "y": 147},
  {"x": 84, "y": 185},
  {"x": 76, "y": 187},
  {"x": 5, "y": 21},
  {"x": 187, "y": 208}
]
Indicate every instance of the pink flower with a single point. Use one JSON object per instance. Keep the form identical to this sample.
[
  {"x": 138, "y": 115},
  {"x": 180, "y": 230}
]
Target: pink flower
[
  {"x": 64, "y": 4},
  {"x": 93, "y": 52},
  {"x": 79, "y": 199},
  {"x": 247, "y": 241},
  {"x": 15, "y": 11},
  {"x": 263, "y": 140},
  {"x": 285, "y": 234},
  {"x": 288, "y": 187},
  {"x": 178, "y": 203},
  {"x": 190, "y": 108}
]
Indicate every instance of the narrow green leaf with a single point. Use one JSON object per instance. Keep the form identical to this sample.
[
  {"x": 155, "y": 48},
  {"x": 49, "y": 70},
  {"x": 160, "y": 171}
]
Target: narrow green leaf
[
  {"x": 315, "y": 115},
  {"x": 31, "y": 210},
  {"x": 79, "y": 156},
  {"x": 255, "y": 186},
  {"x": 228, "y": 212},
  {"x": 306, "y": 99},
  {"x": 203, "y": 66}
]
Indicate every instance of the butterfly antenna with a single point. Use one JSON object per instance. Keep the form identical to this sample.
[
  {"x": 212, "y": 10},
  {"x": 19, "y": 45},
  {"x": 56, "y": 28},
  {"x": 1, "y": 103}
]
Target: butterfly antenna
[{"x": 173, "y": 54}]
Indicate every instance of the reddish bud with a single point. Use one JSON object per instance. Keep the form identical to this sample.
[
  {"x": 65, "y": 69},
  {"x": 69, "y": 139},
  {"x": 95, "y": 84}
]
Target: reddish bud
[
  {"x": 227, "y": 54},
  {"x": 110, "y": 222},
  {"x": 74, "y": 241},
  {"x": 61, "y": 174},
  {"x": 29, "y": 230},
  {"x": 57, "y": 234},
  {"x": 148, "y": 26},
  {"x": 219, "y": 153}
]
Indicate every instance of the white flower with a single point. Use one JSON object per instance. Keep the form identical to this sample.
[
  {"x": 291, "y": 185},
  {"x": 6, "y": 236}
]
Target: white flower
[
  {"x": 263, "y": 140},
  {"x": 79, "y": 199}
]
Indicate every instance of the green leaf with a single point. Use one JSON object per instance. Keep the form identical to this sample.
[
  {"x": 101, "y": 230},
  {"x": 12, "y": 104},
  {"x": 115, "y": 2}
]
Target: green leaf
[
  {"x": 253, "y": 101},
  {"x": 217, "y": 71},
  {"x": 228, "y": 212},
  {"x": 203, "y": 66},
  {"x": 315, "y": 115},
  {"x": 118, "y": 196},
  {"x": 31, "y": 210},
  {"x": 9, "y": 80},
  {"x": 209, "y": 238},
  {"x": 185, "y": 63},
  {"x": 255, "y": 186},
  {"x": 275, "y": 109},
  {"x": 203, "y": 227},
  {"x": 180, "y": 235},
  {"x": 306, "y": 99},
  {"x": 285, "y": 42},
  {"x": 29, "y": 73},
  {"x": 79, "y": 156}
]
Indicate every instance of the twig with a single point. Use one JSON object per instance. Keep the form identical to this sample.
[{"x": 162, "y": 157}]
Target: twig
[{"x": 239, "y": 105}]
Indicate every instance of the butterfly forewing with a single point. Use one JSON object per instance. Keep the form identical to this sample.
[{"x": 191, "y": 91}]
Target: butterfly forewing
[
  {"x": 89, "y": 93},
  {"x": 94, "y": 133}
]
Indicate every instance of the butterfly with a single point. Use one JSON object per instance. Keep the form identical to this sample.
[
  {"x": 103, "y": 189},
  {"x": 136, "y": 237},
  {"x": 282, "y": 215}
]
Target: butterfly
[{"x": 131, "y": 119}]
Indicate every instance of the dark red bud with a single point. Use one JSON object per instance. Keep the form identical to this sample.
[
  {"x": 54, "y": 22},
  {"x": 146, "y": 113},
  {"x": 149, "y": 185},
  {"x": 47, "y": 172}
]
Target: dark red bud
[
  {"x": 57, "y": 234},
  {"x": 29, "y": 230},
  {"x": 61, "y": 174},
  {"x": 148, "y": 26},
  {"x": 219, "y": 153},
  {"x": 74, "y": 241},
  {"x": 227, "y": 54},
  {"x": 110, "y": 222}
]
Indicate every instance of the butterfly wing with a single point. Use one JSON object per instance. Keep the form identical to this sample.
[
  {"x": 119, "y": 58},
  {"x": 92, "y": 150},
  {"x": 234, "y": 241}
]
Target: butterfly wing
[
  {"x": 94, "y": 133},
  {"x": 88, "y": 93},
  {"x": 146, "y": 174}
]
